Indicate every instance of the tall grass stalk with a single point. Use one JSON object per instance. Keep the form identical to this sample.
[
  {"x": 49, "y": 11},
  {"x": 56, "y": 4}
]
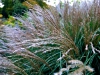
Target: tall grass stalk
[{"x": 51, "y": 36}]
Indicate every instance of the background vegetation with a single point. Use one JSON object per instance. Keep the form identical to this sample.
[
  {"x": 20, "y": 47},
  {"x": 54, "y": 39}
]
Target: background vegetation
[{"x": 12, "y": 7}]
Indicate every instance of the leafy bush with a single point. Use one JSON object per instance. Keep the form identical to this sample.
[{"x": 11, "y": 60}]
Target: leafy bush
[
  {"x": 30, "y": 3},
  {"x": 11, "y": 7},
  {"x": 7, "y": 9},
  {"x": 10, "y": 21},
  {"x": 18, "y": 8}
]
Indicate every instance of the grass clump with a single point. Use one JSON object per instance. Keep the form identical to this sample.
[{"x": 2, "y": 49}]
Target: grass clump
[{"x": 62, "y": 45}]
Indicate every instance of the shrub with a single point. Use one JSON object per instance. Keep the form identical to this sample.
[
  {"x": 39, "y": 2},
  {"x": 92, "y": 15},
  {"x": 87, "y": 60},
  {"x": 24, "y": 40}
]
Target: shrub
[
  {"x": 30, "y": 3},
  {"x": 11, "y": 7},
  {"x": 18, "y": 8},
  {"x": 7, "y": 9}
]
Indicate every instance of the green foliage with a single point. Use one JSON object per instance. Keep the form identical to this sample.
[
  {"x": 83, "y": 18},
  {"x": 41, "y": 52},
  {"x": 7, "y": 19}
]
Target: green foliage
[
  {"x": 10, "y": 21},
  {"x": 31, "y": 3},
  {"x": 11, "y": 7},
  {"x": 18, "y": 8},
  {"x": 7, "y": 9},
  {"x": 42, "y": 4}
]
